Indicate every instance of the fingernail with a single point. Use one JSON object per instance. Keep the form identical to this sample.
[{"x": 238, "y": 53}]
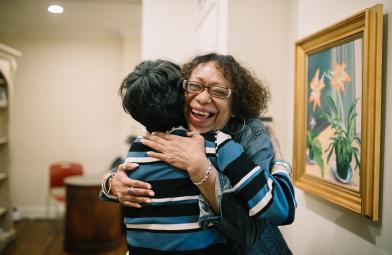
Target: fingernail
[
  {"x": 151, "y": 193},
  {"x": 148, "y": 187},
  {"x": 138, "y": 206},
  {"x": 154, "y": 133},
  {"x": 148, "y": 201},
  {"x": 142, "y": 140}
]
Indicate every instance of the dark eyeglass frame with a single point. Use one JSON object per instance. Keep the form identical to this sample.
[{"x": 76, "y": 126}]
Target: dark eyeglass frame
[{"x": 209, "y": 89}]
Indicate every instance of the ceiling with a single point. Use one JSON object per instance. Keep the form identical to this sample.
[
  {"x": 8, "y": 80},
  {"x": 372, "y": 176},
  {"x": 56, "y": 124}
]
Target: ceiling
[{"x": 80, "y": 17}]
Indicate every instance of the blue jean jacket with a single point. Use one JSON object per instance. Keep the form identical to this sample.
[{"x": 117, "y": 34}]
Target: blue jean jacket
[{"x": 249, "y": 236}]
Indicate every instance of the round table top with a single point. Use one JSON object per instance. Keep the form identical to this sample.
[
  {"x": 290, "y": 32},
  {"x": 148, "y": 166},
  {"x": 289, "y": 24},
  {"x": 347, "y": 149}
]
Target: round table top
[{"x": 83, "y": 180}]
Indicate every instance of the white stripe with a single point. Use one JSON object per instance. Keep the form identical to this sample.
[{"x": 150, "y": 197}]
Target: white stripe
[
  {"x": 172, "y": 199},
  {"x": 284, "y": 171},
  {"x": 210, "y": 150},
  {"x": 221, "y": 137},
  {"x": 254, "y": 170},
  {"x": 260, "y": 205},
  {"x": 183, "y": 226},
  {"x": 141, "y": 160}
]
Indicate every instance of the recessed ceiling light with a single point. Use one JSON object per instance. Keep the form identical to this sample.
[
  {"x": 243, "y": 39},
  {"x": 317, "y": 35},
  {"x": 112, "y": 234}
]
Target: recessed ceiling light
[{"x": 55, "y": 8}]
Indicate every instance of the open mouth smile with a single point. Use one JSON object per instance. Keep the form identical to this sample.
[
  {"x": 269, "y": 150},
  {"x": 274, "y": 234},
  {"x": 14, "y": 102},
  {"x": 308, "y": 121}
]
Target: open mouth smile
[{"x": 201, "y": 114}]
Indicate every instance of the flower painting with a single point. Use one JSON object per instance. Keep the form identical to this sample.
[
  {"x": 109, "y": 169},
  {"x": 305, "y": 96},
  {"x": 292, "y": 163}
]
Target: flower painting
[
  {"x": 333, "y": 138},
  {"x": 337, "y": 113}
]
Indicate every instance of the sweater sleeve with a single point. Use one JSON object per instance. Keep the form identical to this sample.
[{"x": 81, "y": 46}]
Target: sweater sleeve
[{"x": 267, "y": 196}]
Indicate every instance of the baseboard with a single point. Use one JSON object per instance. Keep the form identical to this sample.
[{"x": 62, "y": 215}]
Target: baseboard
[{"x": 40, "y": 212}]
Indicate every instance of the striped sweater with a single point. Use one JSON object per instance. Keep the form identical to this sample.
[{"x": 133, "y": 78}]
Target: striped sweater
[{"x": 169, "y": 225}]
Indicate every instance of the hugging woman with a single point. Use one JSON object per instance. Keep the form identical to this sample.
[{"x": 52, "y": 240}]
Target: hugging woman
[{"x": 245, "y": 204}]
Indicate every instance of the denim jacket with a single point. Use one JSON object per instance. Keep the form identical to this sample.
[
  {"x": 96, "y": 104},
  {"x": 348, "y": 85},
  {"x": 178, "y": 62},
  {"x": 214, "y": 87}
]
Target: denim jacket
[{"x": 249, "y": 236}]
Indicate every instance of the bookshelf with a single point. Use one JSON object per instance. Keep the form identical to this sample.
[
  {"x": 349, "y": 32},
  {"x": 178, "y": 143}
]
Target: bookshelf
[{"x": 7, "y": 69}]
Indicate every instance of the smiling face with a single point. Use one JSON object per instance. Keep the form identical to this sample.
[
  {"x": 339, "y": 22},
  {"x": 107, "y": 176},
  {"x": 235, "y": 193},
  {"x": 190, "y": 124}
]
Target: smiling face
[{"x": 202, "y": 111}]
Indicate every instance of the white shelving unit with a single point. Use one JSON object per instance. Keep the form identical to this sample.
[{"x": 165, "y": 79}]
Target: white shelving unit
[
  {"x": 6, "y": 237},
  {"x": 7, "y": 69},
  {"x": 2, "y": 211}
]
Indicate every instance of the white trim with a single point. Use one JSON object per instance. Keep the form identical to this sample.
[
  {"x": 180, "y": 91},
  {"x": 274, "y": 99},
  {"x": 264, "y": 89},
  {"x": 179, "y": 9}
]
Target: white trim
[
  {"x": 221, "y": 137},
  {"x": 284, "y": 171},
  {"x": 260, "y": 205},
  {"x": 39, "y": 212},
  {"x": 141, "y": 160},
  {"x": 210, "y": 150},
  {"x": 182, "y": 226},
  {"x": 173, "y": 199}
]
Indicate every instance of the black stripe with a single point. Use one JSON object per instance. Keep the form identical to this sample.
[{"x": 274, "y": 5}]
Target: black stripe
[
  {"x": 179, "y": 132},
  {"x": 238, "y": 168},
  {"x": 254, "y": 186},
  {"x": 174, "y": 188},
  {"x": 139, "y": 147},
  {"x": 223, "y": 143},
  {"x": 216, "y": 249},
  {"x": 186, "y": 209},
  {"x": 210, "y": 136},
  {"x": 286, "y": 179}
]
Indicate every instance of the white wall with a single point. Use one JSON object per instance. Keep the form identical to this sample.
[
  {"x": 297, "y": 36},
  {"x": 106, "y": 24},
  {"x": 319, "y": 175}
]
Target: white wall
[
  {"x": 262, "y": 35},
  {"x": 168, "y": 29},
  {"x": 66, "y": 107},
  {"x": 257, "y": 37},
  {"x": 211, "y": 28},
  {"x": 319, "y": 227}
]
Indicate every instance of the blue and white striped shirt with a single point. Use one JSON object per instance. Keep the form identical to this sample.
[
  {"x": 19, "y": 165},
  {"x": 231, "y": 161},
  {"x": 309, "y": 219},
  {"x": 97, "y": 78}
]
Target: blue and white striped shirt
[{"x": 170, "y": 223}]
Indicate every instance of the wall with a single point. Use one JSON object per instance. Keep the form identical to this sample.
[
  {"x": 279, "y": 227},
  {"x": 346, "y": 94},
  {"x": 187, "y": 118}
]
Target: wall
[
  {"x": 168, "y": 29},
  {"x": 65, "y": 107},
  {"x": 262, "y": 35},
  {"x": 319, "y": 226},
  {"x": 211, "y": 26},
  {"x": 257, "y": 36}
]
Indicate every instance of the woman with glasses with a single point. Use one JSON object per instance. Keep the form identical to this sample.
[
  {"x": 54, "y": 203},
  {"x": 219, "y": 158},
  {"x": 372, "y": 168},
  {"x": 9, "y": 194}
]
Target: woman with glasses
[{"x": 222, "y": 95}]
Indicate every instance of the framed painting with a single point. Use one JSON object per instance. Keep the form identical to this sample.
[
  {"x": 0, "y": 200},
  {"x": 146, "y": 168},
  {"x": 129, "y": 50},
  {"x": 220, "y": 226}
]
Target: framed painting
[{"x": 337, "y": 115}]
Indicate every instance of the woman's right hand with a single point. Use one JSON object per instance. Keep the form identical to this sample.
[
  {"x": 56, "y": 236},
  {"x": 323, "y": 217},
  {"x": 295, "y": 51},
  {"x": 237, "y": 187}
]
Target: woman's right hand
[{"x": 130, "y": 192}]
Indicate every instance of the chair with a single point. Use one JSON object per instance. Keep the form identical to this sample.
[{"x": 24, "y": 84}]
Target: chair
[{"x": 57, "y": 173}]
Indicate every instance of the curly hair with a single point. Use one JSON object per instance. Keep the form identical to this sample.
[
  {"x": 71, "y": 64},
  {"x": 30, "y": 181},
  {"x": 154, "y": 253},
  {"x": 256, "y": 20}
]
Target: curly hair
[
  {"x": 153, "y": 95},
  {"x": 250, "y": 96}
]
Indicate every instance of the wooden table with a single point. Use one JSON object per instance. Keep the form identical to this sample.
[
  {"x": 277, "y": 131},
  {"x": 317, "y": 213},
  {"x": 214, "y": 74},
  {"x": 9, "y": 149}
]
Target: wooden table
[{"x": 90, "y": 224}]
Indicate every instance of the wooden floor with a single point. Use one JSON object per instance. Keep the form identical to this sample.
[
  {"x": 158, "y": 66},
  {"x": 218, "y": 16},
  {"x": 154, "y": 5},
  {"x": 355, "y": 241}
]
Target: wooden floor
[{"x": 45, "y": 237}]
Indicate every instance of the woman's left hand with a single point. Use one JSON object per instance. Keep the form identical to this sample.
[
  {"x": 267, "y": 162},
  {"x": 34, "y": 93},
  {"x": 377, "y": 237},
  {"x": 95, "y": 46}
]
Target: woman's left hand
[
  {"x": 186, "y": 153},
  {"x": 275, "y": 142}
]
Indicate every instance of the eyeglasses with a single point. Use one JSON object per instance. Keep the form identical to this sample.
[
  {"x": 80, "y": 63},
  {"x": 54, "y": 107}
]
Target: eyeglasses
[{"x": 214, "y": 91}]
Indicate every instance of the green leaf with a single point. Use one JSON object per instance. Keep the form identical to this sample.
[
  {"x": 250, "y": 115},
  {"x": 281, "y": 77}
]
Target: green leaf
[
  {"x": 357, "y": 161},
  {"x": 333, "y": 105},
  {"x": 330, "y": 153}
]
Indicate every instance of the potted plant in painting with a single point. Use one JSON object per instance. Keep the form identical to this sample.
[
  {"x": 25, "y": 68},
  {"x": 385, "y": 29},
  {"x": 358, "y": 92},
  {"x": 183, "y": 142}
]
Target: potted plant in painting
[
  {"x": 315, "y": 151},
  {"x": 343, "y": 140}
]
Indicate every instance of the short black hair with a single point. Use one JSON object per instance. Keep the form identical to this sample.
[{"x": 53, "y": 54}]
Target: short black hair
[{"x": 153, "y": 95}]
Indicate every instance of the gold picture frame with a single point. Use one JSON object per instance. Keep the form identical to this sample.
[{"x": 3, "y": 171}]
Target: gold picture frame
[{"x": 337, "y": 113}]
